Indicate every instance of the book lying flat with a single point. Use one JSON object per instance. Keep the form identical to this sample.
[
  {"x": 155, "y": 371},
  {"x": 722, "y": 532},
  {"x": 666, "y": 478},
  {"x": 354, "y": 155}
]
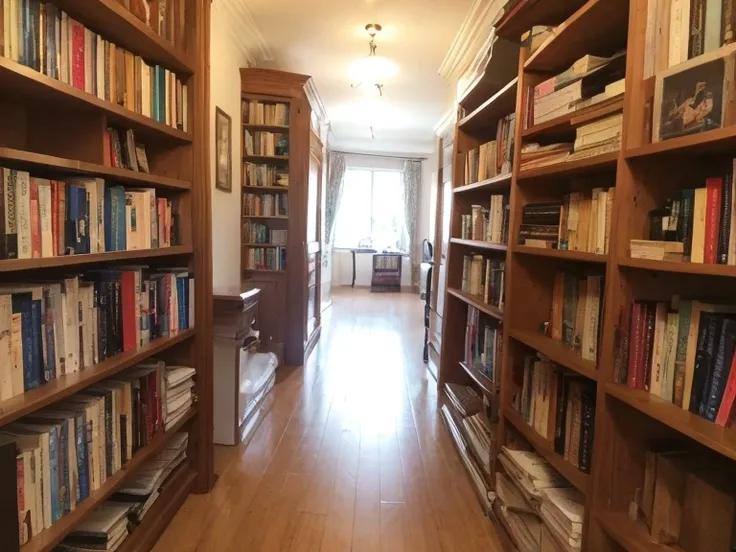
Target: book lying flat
[{"x": 177, "y": 374}]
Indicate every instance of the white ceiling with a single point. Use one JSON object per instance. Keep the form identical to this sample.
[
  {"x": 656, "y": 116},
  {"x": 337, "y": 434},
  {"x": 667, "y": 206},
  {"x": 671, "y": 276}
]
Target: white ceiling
[{"x": 322, "y": 38}]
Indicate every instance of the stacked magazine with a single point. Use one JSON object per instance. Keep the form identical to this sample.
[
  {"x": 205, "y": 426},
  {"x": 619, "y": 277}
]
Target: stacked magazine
[{"x": 179, "y": 393}]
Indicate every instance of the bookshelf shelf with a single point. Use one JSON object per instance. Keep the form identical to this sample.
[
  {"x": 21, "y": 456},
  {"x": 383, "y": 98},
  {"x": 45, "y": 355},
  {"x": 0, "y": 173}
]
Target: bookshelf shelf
[
  {"x": 64, "y": 386},
  {"x": 264, "y": 270},
  {"x": 633, "y": 536},
  {"x": 480, "y": 244},
  {"x": 557, "y": 352},
  {"x": 598, "y": 27},
  {"x": 266, "y": 188},
  {"x": 23, "y": 82},
  {"x": 266, "y": 128},
  {"x": 722, "y": 440},
  {"x": 264, "y": 245},
  {"x": 266, "y": 158},
  {"x": 14, "y": 265},
  {"x": 590, "y": 165},
  {"x": 564, "y": 125},
  {"x": 483, "y": 381},
  {"x": 543, "y": 446},
  {"x": 488, "y": 113},
  {"x": 496, "y": 184},
  {"x": 477, "y": 302},
  {"x": 277, "y": 217},
  {"x": 35, "y": 162},
  {"x": 580, "y": 256},
  {"x": 47, "y": 539},
  {"x": 525, "y": 14},
  {"x": 701, "y": 269},
  {"x": 720, "y": 140}
]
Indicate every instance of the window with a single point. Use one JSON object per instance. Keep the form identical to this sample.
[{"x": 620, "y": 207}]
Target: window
[{"x": 371, "y": 211}]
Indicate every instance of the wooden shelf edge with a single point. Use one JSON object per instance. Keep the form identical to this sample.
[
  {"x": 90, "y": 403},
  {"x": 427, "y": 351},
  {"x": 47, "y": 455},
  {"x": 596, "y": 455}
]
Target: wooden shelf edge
[
  {"x": 707, "y": 433},
  {"x": 581, "y": 256},
  {"x": 274, "y": 128},
  {"x": 64, "y": 386},
  {"x": 500, "y": 182},
  {"x": 58, "y": 88},
  {"x": 681, "y": 268},
  {"x": 509, "y": 89},
  {"x": 591, "y": 164},
  {"x": 47, "y": 539},
  {"x": 14, "y": 265},
  {"x": 480, "y": 244},
  {"x": 477, "y": 302},
  {"x": 696, "y": 142},
  {"x": 267, "y": 188},
  {"x": 576, "y": 118},
  {"x": 261, "y": 158},
  {"x": 633, "y": 536},
  {"x": 557, "y": 352},
  {"x": 483, "y": 381},
  {"x": 543, "y": 447},
  {"x": 265, "y": 217}
]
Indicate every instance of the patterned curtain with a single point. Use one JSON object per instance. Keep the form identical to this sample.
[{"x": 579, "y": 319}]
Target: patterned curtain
[
  {"x": 334, "y": 191},
  {"x": 412, "y": 177}
]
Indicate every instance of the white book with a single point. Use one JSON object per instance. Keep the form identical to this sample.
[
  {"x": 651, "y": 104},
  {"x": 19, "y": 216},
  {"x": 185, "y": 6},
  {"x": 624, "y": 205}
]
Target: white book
[
  {"x": 650, "y": 39},
  {"x": 679, "y": 31},
  {"x": 600, "y": 235},
  {"x": 712, "y": 31},
  {"x": 14, "y": 44},
  {"x": 178, "y": 374},
  {"x": 44, "y": 215},
  {"x": 23, "y": 214},
  {"x": 89, "y": 84},
  {"x": 6, "y": 351},
  {"x": 100, "y": 67},
  {"x": 568, "y": 501},
  {"x": 146, "y": 89},
  {"x": 175, "y": 403},
  {"x": 16, "y": 350},
  {"x": 70, "y": 314},
  {"x": 6, "y": 30}
]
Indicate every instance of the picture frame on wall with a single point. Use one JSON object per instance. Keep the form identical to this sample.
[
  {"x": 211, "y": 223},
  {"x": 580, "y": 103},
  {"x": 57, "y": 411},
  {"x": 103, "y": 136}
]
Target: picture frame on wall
[
  {"x": 695, "y": 96},
  {"x": 223, "y": 151}
]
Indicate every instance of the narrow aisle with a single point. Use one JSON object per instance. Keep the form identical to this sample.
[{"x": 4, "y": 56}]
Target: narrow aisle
[{"x": 351, "y": 457}]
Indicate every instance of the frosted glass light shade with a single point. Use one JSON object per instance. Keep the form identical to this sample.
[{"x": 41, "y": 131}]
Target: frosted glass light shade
[{"x": 373, "y": 70}]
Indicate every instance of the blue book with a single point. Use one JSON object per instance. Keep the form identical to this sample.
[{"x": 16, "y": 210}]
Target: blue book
[
  {"x": 80, "y": 426},
  {"x": 56, "y": 506},
  {"x": 22, "y": 304},
  {"x": 721, "y": 368},
  {"x": 50, "y": 361},
  {"x": 107, "y": 214},
  {"x": 181, "y": 303}
]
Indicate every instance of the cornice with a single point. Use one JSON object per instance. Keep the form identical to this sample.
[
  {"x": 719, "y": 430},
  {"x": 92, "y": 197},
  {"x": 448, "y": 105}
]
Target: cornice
[{"x": 245, "y": 33}]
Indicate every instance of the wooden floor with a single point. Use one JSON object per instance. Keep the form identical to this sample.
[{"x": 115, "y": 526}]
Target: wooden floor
[{"x": 352, "y": 457}]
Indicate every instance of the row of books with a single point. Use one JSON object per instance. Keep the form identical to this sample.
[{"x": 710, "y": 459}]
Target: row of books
[
  {"x": 697, "y": 225},
  {"x": 167, "y": 18},
  {"x": 540, "y": 224},
  {"x": 588, "y": 81},
  {"x": 266, "y": 205},
  {"x": 49, "y": 218},
  {"x": 68, "y": 450},
  {"x": 534, "y": 155},
  {"x": 261, "y": 113},
  {"x": 683, "y": 352},
  {"x": 484, "y": 278},
  {"x": 560, "y": 406},
  {"x": 43, "y": 37},
  {"x": 266, "y": 143},
  {"x": 265, "y": 258},
  {"x": 125, "y": 153},
  {"x": 255, "y": 233},
  {"x": 483, "y": 343},
  {"x": 266, "y": 175},
  {"x": 490, "y": 225},
  {"x": 495, "y": 157},
  {"x": 575, "y": 317},
  {"x": 678, "y": 30},
  {"x": 108, "y": 526},
  {"x": 541, "y": 509},
  {"x": 475, "y": 423},
  {"x": 51, "y": 329},
  {"x": 599, "y": 137}
]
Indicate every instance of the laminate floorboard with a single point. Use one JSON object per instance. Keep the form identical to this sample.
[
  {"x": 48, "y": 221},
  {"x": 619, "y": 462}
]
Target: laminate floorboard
[{"x": 351, "y": 457}]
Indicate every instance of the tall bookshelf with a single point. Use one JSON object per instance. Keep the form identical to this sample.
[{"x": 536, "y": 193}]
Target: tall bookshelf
[
  {"x": 53, "y": 130},
  {"x": 627, "y": 421},
  {"x": 290, "y": 326}
]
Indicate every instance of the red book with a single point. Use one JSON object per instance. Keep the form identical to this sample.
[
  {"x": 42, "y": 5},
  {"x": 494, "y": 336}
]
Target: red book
[
  {"x": 714, "y": 187},
  {"x": 35, "y": 222},
  {"x": 129, "y": 302},
  {"x": 55, "y": 217},
  {"x": 77, "y": 55},
  {"x": 107, "y": 148},
  {"x": 635, "y": 344},
  {"x": 729, "y": 394}
]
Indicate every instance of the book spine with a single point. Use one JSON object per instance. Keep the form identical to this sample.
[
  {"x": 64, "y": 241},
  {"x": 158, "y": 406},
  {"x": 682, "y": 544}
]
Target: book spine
[
  {"x": 725, "y": 409},
  {"x": 685, "y": 234},
  {"x": 721, "y": 366},
  {"x": 35, "y": 221},
  {"x": 109, "y": 437},
  {"x": 57, "y": 507},
  {"x": 129, "y": 302},
  {"x": 64, "y": 481},
  {"x": 11, "y": 198},
  {"x": 648, "y": 349},
  {"x": 714, "y": 187},
  {"x": 725, "y": 226},
  {"x": 697, "y": 29},
  {"x": 707, "y": 327},
  {"x": 559, "y": 442},
  {"x": 586, "y": 430},
  {"x": 81, "y": 436}
]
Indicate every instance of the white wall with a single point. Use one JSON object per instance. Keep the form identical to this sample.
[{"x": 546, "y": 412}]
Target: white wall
[{"x": 226, "y": 59}]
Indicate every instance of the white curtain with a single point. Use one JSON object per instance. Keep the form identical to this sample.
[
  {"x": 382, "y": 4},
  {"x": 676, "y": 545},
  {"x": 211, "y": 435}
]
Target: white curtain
[{"x": 412, "y": 177}]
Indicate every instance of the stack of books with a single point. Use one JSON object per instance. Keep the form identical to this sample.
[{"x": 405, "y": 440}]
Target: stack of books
[
  {"x": 255, "y": 233},
  {"x": 69, "y": 450},
  {"x": 465, "y": 399},
  {"x": 104, "y": 529},
  {"x": 179, "y": 393},
  {"x": 51, "y": 329},
  {"x": 266, "y": 143},
  {"x": 49, "y": 218},
  {"x": 562, "y": 512},
  {"x": 702, "y": 220},
  {"x": 165, "y": 17},
  {"x": 125, "y": 152},
  {"x": 485, "y": 279},
  {"x": 491, "y": 225},
  {"x": 266, "y": 175},
  {"x": 483, "y": 343},
  {"x": 540, "y": 224},
  {"x": 589, "y": 81},
  {"x": 49, "y": 41},
  {"x": 585, "y": 221},
  {"x": 260, "y": 113},
  {"x": 266, "y": 205},
  {"x": 266, "y": 258},
  {"x": 534, "y": 156},
  {"x": 683, "y": 352},
  {"x": 480, "y": 437},
  {"x": 577, "y": 303},
  {"x": 492, "y": 158},
  {"x": 599, "y": 137}
]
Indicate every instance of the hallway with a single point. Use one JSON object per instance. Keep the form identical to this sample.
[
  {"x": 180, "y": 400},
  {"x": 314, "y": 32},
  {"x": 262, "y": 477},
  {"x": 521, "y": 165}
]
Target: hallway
[{"x": 352, "y": 456}]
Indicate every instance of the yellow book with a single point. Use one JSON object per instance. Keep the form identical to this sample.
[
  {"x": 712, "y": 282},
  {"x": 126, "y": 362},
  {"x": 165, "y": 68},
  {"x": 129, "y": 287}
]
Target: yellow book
[{"x": 697, "y": 251}]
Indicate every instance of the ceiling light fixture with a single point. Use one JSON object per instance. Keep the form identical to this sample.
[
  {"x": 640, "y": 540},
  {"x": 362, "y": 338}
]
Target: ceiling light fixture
[{"x": 374, "y": 69}]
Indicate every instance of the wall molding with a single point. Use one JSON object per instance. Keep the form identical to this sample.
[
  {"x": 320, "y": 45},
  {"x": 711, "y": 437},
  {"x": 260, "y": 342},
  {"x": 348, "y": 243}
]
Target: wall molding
[{"x": 245, "y": 34}]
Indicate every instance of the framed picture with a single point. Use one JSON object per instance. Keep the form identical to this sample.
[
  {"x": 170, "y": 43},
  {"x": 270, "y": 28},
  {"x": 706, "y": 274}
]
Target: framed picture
[
  {"x": 695, "y": 96},
  {"x": 223, "y": 151}
]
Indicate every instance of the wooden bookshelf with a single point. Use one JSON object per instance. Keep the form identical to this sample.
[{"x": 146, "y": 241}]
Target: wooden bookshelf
[
  {"x": 55, "y": 131},
  {"x": 477, "y": 302},
  {"x": 497, "y": 106},
  {"x": 563, "y": 125},
  {"x": 565, "y": 254},
  {"x": 484, "y": 382},
  {"x": 479, "y": 244},
  {"x": 291, "y": 324},
  {"x": 556, "y": 351},
  {"x": 591, "y": 165},
  {"x": 498, "y": 183}
]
